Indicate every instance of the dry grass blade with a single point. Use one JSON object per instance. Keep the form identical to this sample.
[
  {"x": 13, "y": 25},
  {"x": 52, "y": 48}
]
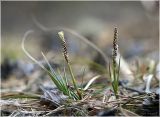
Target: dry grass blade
[
  {"x": 25, "y": 51},
  {"x": 90, "y": 82}
]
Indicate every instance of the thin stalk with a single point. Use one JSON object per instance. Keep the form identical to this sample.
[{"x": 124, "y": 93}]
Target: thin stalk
[
  {"x": 65, "y": 53},
  {"x": 114, "y": 71}
]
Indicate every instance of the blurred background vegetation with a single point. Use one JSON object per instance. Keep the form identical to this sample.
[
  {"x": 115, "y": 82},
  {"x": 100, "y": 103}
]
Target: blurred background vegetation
[{"x": 137, "y": 22}]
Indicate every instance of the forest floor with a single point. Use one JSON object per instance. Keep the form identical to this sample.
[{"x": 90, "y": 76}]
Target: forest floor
[{"x": 28, "y": 90}]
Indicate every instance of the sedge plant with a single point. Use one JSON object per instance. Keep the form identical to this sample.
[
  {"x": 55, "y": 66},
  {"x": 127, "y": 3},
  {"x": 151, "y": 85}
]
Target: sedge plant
[
  {"x": 60, "y": 81},
  {"x": 114, "y": 68}
]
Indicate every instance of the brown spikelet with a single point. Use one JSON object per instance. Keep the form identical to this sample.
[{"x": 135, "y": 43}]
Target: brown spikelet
[
  {"x": 115, "y": 46},
  {"x": 64, "y": 46}
]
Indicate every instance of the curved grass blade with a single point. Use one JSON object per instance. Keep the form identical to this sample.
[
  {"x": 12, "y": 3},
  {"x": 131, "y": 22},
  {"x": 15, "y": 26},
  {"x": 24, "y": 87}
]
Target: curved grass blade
[{"x": 90, "y": 82}]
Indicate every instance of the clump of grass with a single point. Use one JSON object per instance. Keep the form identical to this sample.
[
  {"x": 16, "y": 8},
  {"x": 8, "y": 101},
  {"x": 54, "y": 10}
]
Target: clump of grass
[
  {"x": 60, "y": 81},
  {"x": 114, "y": 68}
]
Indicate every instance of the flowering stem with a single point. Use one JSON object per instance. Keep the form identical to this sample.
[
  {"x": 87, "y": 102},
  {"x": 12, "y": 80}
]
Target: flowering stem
[{"x": 65, "y": 53}]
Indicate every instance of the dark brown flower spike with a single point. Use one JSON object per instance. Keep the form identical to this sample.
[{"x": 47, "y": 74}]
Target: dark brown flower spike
[{"x": 115, "y": 47}]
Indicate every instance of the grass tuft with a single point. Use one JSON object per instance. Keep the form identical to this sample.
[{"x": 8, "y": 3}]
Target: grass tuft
[{"x": 59, "y": 81}]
